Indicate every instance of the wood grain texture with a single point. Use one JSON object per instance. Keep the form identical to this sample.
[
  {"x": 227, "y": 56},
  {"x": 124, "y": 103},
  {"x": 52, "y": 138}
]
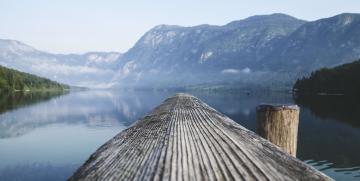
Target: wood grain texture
[
  {"x": 185, "y": 139},
  {"x": 279, "y": 124}
]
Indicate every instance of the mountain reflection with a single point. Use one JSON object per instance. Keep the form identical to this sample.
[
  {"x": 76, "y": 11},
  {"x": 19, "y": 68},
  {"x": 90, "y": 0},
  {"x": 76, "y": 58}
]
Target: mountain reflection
[
  {"x": 90, "y": 108},
  {"x": 13, "y": 100}
]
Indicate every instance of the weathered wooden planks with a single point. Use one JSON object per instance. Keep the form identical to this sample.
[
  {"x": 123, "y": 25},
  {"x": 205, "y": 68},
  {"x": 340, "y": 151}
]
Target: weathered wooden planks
[
  {"x": 279, "y": 124},
  {"x": 185, "y": 139}
]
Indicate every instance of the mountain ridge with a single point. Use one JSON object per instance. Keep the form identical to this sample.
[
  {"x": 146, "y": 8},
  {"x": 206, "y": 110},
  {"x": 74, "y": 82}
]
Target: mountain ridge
[{"x": 268, "y": 49}]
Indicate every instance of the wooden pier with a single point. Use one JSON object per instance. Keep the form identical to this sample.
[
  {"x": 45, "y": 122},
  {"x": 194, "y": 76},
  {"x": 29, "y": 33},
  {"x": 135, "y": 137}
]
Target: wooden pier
[{"x": 185, "y": 139}]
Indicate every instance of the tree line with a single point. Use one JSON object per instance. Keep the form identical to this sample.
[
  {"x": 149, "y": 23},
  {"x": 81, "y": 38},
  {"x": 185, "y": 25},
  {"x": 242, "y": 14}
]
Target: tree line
[
  {"x": 13, "y": 80},
  {"x": 343, "y": 79}
]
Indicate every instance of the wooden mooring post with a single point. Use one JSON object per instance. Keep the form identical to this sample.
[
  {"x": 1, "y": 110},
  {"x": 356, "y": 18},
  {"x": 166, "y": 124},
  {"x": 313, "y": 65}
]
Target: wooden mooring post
[
  {"x": 185, "y": 139},
  {"x": 279, "y": 125}
]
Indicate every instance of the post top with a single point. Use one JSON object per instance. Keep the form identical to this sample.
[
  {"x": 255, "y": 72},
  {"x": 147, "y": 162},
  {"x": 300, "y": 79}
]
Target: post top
[
  {"x": 181, "y": 94},
  {"x": 277, "y": 107}
]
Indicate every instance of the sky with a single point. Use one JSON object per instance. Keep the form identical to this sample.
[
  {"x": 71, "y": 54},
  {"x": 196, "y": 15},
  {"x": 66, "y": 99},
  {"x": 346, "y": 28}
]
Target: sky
[{"x": 79, "y": 26}]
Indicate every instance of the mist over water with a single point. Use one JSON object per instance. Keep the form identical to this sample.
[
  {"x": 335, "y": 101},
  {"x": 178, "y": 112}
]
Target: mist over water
[{"x": 49, "y": 137}]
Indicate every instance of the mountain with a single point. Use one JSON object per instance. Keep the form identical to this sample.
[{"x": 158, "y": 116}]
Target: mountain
[
  {"x": 12, "y": 80},
  {"x": 269, "y": 50},
  {"x": 343, "y": 79},
  {"x": 323, "y": 43},
  {"x": 91, "y": 69},
  {"x": 174, "y": 55}
]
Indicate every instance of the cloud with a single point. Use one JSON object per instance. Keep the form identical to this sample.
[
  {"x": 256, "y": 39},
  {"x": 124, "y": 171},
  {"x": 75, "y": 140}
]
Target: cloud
[
  {"x": 236, "y": 71},
  {"x": 62, "y": 69},
  {"x": 230, "y": 71},
  {"x": 246, "y": 70}
]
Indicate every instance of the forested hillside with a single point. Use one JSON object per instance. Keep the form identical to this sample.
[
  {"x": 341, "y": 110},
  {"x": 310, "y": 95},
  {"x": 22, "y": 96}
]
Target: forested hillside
[
  {"x": 13, "y": 80},
  {"x": 343, "y": 79}
]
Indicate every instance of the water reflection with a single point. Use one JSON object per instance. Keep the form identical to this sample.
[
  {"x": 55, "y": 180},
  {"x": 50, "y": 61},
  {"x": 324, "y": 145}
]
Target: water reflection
[
  {"x": 71, "y": 109},
  {"x": 13, "y": 100},
  {"x": 37, "y": 172},
  {"x": 330, "y": 134},
  {"x": 64, "y": 130},
  {"x": 90, "y": 108},
  {"x": 344, "y": 109}
]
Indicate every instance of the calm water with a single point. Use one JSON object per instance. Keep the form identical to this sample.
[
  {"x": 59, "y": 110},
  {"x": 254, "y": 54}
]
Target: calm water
[{"x": 47, "y": 136}]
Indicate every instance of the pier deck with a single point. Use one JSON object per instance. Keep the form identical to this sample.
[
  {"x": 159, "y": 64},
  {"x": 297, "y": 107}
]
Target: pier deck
[{"x": 185, "y": 139}]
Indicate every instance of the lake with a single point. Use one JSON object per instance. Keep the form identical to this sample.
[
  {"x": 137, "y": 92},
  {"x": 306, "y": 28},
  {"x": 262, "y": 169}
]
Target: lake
[{"x": 47, "y": 136}]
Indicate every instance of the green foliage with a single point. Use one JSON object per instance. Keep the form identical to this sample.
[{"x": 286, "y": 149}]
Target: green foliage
[
  {"x": 13, "y": 80},
  {"x": 343, "y": 79}
]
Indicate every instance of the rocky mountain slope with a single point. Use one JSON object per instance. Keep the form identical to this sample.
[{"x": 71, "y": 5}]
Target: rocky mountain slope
[
  {"x": 267, "y": 50},
  {"x": 323, "y": 43}
]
